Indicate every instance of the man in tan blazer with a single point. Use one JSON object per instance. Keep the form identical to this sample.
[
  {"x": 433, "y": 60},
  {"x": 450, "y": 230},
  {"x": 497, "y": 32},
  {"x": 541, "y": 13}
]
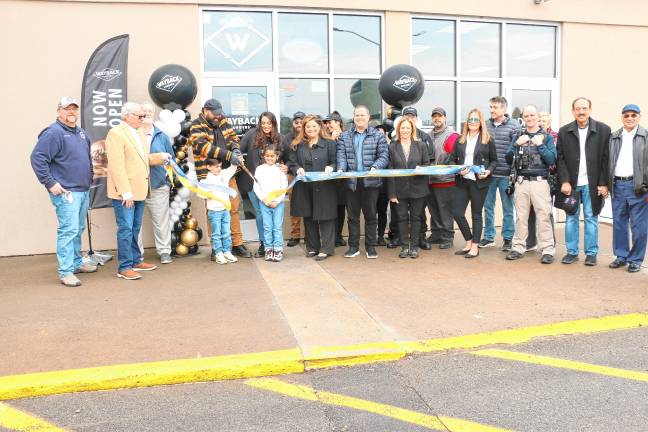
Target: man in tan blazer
[{"x": 128, "y": 186}]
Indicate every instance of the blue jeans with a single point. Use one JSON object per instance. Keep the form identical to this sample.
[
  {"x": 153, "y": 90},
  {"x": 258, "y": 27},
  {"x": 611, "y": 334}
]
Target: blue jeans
[
  {"x": 273, "y": 226},
  {"x": 572, "y": 226},
  {"x": 508, "y": 221},
  {"x": 71, "y": 223},
  {"x": 221, "y": 236},
  {"x": 129, "y": 224},
  {"x": 254, "y": 200},
  {"x": 628, "y": 207}
]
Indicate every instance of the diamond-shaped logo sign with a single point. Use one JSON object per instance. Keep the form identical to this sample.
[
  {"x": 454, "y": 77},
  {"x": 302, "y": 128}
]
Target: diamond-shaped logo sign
[
  {"x": 237, "y": 41},
  {"x": 168, "y": 82},
  {"x": 405, "y": 83},
  {"x": 108, "y": 74}
]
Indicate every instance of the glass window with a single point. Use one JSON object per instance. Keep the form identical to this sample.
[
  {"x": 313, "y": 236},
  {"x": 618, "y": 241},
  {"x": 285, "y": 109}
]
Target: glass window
[
  {"x": 237, "y": 41},
  {"x": 351, "y": 92},
  {"x": 303, "y": 43},
  {"x": 437, "y": 94},
  {"x": 356, "y": 44},
  {"x": 530, "y": 50},
  {"x": 476, "y": 95},
  {"x": 308, "y": 95},
  {"x": 242, "y": 105},
  {"x": 433, "y": 46},
  {"x": 480, "y": 49},
  {"x": 521, "y": 98}
]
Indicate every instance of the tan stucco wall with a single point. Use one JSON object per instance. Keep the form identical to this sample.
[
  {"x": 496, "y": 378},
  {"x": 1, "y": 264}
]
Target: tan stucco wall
[{"x": 43, "y": 63}]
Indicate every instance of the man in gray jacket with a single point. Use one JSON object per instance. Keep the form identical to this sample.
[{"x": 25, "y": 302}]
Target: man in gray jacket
[
  {"x": 503, "y": 129},
  {"x": 628, "y": 182}
]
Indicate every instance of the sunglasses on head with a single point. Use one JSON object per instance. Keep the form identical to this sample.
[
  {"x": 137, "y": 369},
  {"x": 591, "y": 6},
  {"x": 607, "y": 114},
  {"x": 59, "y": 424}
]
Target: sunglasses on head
[
  {"x": 473, "y": 119},
  {"x": 633, "y": 115}
]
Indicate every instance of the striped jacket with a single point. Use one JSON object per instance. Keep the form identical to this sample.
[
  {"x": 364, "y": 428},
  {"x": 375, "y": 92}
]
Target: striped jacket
[{"x": 209, "y": 142}]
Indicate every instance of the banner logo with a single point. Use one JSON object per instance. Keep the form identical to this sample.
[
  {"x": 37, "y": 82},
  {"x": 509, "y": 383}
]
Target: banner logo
[
  {"x": 107, "y": 74},
  {"x": 168, "y": 82},
  {"x": 405, "y": 83},
  {"x": 238, "y": 41}
]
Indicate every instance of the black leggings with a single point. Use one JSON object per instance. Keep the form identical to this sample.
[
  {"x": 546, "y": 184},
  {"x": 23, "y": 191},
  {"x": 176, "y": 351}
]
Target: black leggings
[{"x": 468, "y": 192}]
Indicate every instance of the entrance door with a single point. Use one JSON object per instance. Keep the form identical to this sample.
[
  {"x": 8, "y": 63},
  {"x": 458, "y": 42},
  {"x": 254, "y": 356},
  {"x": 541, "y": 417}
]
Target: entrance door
[
  {"x": 243, "y": 101},
  {"x": 543, "y": 96}
]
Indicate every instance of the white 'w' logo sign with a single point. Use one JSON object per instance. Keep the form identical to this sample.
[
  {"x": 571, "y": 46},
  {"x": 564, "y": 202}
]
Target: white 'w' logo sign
[{"x": 237, "y": 42}]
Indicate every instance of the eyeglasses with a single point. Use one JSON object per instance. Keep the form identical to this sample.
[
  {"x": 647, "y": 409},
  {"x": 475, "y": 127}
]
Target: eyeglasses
[
  {"x": 140, "y": 116},
  {"x": 633, "y": 115},
  {"x": 473, "y": 119}
]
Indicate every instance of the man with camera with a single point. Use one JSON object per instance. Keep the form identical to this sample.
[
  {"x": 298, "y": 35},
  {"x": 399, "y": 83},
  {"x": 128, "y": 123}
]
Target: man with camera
[{"x": 530, "y": 155}]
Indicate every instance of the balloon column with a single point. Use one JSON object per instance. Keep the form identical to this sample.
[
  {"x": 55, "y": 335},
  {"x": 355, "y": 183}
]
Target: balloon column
[{"x": 173, "y": 87}]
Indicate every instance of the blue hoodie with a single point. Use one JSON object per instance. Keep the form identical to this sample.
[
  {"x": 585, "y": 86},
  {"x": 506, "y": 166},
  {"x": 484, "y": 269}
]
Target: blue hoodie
[{"x": 62, "y": 155}]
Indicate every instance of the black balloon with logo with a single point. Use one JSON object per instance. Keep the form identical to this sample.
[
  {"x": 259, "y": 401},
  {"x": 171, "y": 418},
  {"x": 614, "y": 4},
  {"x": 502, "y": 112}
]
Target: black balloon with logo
[
  {"x": 172, "y": 86},
  {"x": 401, "y": 85}
]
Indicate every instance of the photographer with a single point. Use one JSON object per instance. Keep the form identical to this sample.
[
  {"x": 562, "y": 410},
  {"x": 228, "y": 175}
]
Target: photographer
[{"x": 530, "y": 155}]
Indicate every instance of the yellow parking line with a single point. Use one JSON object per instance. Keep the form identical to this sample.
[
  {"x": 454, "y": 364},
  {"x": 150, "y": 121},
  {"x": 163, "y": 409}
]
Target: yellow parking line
[
  {"x": 440, "y": 423},
  {"x": 564, "y": 364},
  {"x": 15, "y": 420}
]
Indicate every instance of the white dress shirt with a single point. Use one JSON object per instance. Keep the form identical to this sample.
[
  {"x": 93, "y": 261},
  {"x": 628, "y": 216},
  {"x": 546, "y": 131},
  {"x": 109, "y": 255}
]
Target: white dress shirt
[
  {"x": 582, "y": 166},
  {"x": 624, "y": 166},
  {"x": 471, "y": 143}
]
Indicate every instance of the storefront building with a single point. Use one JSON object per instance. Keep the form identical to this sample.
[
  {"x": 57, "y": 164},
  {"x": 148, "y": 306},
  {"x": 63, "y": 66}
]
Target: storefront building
[{"x": 313, "y": 57}]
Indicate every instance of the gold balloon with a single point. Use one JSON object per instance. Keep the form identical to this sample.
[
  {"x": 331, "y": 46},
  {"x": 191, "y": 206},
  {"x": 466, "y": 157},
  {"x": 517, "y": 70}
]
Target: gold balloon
[
  {"x": 191, "y": 223},
  {"x": 181, "y": 249},
  {"x": 181, "y": 155},
  {"x": 189, "y": 237}
]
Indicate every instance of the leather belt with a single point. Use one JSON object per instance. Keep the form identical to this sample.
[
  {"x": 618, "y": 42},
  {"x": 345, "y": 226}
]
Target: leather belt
[
  {"x": 534, "y": 178},
  {"x": 628, "y": 178}
]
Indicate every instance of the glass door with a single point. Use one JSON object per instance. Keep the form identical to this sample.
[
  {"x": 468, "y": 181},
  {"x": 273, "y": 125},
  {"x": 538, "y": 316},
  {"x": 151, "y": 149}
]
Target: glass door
[
  {"x": 543, "y": 96},
  {"x": 243, "y": 100}
]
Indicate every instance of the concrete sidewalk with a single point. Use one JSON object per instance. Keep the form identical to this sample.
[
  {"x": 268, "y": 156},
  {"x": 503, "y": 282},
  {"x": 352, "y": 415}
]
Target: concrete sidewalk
[{"x": 196, "y": 308}]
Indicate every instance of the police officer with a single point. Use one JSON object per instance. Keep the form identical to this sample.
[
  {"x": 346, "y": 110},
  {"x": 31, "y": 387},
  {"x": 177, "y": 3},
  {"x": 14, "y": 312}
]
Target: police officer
[{"x": 530, "y": 154}]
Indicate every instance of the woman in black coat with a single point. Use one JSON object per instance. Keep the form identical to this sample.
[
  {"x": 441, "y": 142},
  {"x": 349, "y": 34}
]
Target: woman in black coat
[
  {"x": 253, "y": 143},
  {"x": 408, "y": 193},
  {"x": 475, "y": 147},
  {"x": 316, "y": 202}
]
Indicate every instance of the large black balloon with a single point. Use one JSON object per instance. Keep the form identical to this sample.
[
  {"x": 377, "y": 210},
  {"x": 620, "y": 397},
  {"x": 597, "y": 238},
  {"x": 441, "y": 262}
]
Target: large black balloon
[
  {"x": 172, "y": 86},
  {"x": 401, "y": 85}
]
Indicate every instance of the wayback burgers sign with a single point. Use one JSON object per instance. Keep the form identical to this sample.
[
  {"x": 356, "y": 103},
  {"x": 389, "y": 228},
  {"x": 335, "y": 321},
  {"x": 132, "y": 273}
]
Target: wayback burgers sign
[
  {"x": 102, "y": 95},
  {"x": 172, "y": 86}
]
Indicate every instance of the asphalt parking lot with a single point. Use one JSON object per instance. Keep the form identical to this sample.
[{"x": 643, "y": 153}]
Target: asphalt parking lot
[{"x": 586, "y": 382}]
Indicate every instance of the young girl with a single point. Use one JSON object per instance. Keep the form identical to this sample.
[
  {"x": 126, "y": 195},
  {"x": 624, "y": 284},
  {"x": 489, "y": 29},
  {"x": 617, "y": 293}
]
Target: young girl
[
  {"x": 270, "y": 178},
  {"x": 219, "y": 216}
]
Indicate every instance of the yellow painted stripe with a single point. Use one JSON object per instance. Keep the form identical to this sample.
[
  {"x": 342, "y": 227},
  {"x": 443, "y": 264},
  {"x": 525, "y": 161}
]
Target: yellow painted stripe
[
  {"x": 564, "y": 364},
  {"x": 12, "y": 419},
  {"x": 323, "y": 357},
  {"x": 284, "y": 361},
  {"x": 151, "y": 374},
  {"x": 440, "y": 423}
]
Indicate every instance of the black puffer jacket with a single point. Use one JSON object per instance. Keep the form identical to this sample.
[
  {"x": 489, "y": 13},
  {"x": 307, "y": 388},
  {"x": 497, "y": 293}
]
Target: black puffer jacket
[{"x": 503, "y": 136}]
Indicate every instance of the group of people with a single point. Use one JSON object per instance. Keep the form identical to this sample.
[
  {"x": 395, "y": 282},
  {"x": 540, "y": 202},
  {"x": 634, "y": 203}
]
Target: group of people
[{"x": 583, "y": 160}]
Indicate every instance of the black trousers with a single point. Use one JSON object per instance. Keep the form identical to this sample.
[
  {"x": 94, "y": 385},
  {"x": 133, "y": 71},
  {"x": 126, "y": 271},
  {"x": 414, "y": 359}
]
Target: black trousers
[
  {"x": 381, "y": 209},
  {"x": 440, "y": 201},
  {"x": 339, "y": 222},
  {"x": 320, "y": 235},
  {"x": 468, "y": 192},
  {"x": 409, "y": 212},
  {"x": 365, "y": 199}
]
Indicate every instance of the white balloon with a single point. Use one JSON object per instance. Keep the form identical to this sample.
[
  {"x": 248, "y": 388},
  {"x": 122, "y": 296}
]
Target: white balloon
[
  {"x": 177, "y": 198},
  {"x": 184, "y": 193},
  {"x": 175, "y": 204},
  {"x": 172, "y": 129},
  {"x": 178, "y": 116},
  {"x": 166, "y": 116},
  {"x": 177, "y": 211},
  {"x": 191, "y": 166},
  {"x": 175, "y": 218},
  {"x": 183, "y": 205}
]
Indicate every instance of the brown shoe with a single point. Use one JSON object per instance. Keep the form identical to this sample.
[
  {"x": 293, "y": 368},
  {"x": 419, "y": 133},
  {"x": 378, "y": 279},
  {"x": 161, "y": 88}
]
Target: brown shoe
[
  {"x": 129, "y": 275},
  {"x": 144, "y": 267}
]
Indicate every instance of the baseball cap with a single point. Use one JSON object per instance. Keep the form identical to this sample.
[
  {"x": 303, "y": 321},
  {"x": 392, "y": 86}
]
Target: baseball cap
[
  {"x": 440, "y": 111},
  {"x": 214, "y": 106},
  {"x": 410, "y": 110},
  {"x": 631, "y": 107},
  {"x": 66, "y": 101},
  {"x": 299, "y": 114}
]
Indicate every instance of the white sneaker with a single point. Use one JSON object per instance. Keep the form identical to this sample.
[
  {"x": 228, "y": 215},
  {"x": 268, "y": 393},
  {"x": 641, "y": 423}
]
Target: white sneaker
[
  {"x": 229, "y": 257},
  {"x": 220, "y": 258}
]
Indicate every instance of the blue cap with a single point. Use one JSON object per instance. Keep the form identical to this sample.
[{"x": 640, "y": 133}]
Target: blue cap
[{"x": 631, "y": 107}]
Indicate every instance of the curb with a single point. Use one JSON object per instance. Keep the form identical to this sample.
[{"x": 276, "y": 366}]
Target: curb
[{"x": 281, "y": 362}]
